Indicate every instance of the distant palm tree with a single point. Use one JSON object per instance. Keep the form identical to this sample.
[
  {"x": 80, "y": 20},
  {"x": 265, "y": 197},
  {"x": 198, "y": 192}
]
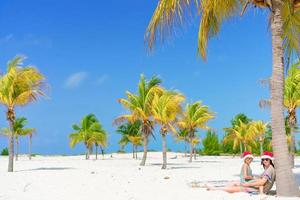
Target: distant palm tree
[
  {"x": 165, "y": 109},
  {"x": 18, "y": 87},
  {"x": 292, "y": 102},
  {"x": 242, "y": 135},
  {"x": 90, "y": 132},
  {"x": 194, "y": 117},
  {"x": 99, "y": 139},
  {"x": 259, "y": 129},
  {"x": 284, "y": 20},
  {"x": 139, "y": 106},
  {"x": 131, "y": 133}
]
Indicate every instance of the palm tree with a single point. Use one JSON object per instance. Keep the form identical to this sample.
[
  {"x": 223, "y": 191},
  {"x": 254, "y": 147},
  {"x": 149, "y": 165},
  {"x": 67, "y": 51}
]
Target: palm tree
[
  {"x": 164, "y": 110},
  {"x": 194, "y": 117},
  {"x": 90, "y": 132},
  {"x": 139, "y": 106},
  {"x": 130, "y": 133},
  {"x": 99, "y": 139},
  {"x": 285, "y": 29},
  {"x": 292, "y": 102},
  {"x": 241, "y": 135},
  {"x": 258, "y": 129},
  {"x": 18, "y": 87}
]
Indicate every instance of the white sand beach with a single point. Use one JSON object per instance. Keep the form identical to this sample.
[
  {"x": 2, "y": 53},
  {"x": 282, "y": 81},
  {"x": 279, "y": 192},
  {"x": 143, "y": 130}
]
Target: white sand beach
[{"x": 121, "y": 178}]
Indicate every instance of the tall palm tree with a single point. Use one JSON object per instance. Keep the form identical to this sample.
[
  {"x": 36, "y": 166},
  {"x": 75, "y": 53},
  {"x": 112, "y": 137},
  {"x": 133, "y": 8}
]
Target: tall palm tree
[
  {"x": 90, "y": 132},
  {"x": 292, "y": 102},
  {"x": 194, "y": 117},
  {"x": 130, "y": 134},
  {"x": 165, "y": 109},
  {"x": 258, "y": 129},
  {"x": 285, "y": 29},
  {"x": 18, "y": 87},
  {"x": 139, "y": 106}
]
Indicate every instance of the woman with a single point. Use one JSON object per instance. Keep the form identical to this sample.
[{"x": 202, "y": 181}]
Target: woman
[{"x": 262, "y": 184}]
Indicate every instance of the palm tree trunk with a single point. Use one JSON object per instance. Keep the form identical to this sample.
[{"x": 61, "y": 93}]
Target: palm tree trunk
[
  {"x": 133, "y": 151},
  {"x": 145, "y": 138},
  {"x": 87, "y": 153},
  {"x": 102, "y": 151},
  {"x": 185, "y": 149},
  {"x": 136, "y": 151},
  {"x": 241, "y": 148},
  {"x": 17, "y": 147},
  {"x": 164, "y": 148},
  {"x": 96, "y": 152},
  {"x": 195, "y": 153},
  {"x": 191, "y": 149},
  {"x": 10, "y": 118},
  {"x": 285, "y": 181},
  {"x": 30, "y": 145},
  {"x": 245, "y": 146},
  {"x": 261, "y": 146}
]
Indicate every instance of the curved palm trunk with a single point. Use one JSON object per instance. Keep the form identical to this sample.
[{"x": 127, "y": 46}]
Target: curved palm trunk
[
  {"x": 245, "y": 146},
  {"x": 292, "y": 121},
  {"x": 17, "y": 147},
  {"x": 191, "y": 149},
  {"x": 164, "y": 148},
  {"x": 11, "y": 118},
  {"x": 195, "y": 153},
  {"x": 285, "y": 180},
  {"x": 30, "y": 145}
]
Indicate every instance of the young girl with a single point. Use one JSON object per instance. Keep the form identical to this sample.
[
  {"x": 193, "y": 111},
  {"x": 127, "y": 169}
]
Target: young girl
[{"x": 246, "y": 172}]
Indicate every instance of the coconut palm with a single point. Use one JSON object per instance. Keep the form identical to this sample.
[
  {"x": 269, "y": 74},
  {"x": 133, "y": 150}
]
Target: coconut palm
[
  {"x": 258, "y": 129},
  {"x": 193, "y": 118},
  {"x": 292, "y": 102},
  {"x": 241, "y": 136},
  {"x": 285, "y": 29},
  {"x": 130, "y": 134},
  {"x": 18, "y": 87},
  {"x": 165, "y": 109},
  {"x": 139, "y": 106},
  {"x": 90, "y": 132}
]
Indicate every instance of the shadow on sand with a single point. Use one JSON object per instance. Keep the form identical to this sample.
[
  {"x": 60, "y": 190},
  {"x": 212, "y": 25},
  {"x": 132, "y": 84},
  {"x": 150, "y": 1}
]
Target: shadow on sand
[{"x": 47, "y": 169}]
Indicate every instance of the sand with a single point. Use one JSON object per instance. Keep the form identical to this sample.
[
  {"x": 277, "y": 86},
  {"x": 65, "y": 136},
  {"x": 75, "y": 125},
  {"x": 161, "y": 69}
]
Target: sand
[{"x": 121, "y": 178}]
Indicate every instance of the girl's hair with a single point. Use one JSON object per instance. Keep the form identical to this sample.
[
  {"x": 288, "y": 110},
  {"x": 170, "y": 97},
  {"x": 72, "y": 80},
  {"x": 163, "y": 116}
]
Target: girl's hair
[{"x": 271, "y": 162}]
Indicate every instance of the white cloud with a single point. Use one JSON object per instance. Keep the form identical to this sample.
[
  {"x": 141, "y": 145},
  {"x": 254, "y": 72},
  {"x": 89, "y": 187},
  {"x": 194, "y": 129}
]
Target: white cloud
[
  {"x": 74, "y": 80},
  {"x": 102, "y": 79}
]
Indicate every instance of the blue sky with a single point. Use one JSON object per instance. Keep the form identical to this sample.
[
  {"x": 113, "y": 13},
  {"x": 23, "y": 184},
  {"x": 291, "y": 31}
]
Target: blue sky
[{"x": 93, "y": 51}]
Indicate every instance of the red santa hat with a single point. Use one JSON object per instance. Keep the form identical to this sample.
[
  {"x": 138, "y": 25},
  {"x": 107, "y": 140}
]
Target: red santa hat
[
  {"x": 246, "y": 155},
  {"x": 268, "y": 155}
]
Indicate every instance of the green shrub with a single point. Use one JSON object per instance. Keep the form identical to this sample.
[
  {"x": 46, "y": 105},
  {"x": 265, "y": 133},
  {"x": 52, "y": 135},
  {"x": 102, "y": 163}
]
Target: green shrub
[
  {"x": 4, "y": 152},
  {"x": 211, "y": 144}
]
